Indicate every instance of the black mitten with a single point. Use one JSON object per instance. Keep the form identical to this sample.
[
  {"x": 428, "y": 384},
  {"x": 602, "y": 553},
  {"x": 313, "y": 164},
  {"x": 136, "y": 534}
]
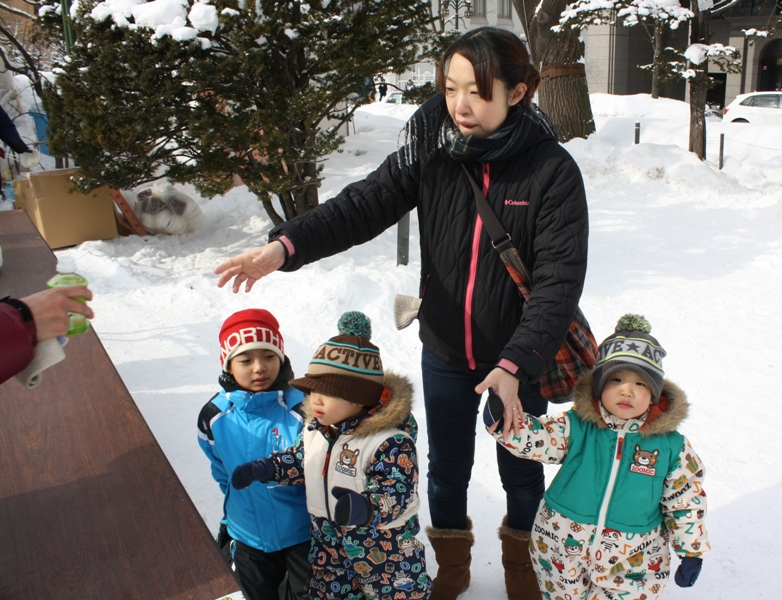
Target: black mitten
[
  {"x": 258, "y": 470},
  {"x": 492, "y": 411},
  {"x": 688, "y": 571},
  {"x": 352, "y": 509}
]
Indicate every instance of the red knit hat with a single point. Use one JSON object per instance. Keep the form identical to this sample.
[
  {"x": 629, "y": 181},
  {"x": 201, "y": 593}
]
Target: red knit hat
[{"x": 251, "y": 329}]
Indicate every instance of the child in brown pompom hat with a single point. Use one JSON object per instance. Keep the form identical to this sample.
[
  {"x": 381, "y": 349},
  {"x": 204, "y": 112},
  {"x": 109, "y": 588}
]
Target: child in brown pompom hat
[{"x": 357, "y": 459}]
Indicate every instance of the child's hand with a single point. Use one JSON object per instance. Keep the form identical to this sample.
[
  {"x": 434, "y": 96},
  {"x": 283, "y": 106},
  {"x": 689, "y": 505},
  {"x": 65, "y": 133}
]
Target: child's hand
[
  {"x": 352, "y": 509},
  {"x": 688, "y": 571},
  {"x": 258, "y": 470},
  {"x": 492, "y": 412}
]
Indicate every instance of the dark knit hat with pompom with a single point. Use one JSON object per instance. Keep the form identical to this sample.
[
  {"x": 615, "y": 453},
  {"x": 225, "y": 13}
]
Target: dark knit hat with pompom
[
  {"x": 631, "y": 347},
  {"x": 347, "y": 366}
]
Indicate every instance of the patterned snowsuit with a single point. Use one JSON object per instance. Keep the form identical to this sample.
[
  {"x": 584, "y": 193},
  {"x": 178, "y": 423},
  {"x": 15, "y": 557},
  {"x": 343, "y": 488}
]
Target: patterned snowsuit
[
  {"x": 625, "y": 490},
  {"x": 375, "y": 455}
]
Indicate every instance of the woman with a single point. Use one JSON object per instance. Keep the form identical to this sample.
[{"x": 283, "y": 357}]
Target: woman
[{"x": 477, "y": 332}]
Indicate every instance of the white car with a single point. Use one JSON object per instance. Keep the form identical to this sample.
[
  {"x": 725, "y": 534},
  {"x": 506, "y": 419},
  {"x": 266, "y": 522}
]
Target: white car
[
  {"x": 757, "y": 107},
  {"x": 394, "y": 98}
]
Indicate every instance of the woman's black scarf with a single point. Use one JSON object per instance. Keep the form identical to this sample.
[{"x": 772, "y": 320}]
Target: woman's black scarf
[{"x": 431, "y": 128}]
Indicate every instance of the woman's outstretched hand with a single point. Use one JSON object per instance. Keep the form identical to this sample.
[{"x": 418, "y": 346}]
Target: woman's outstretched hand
[
  {"x": 506, "y": 386},
  {"x": 248, "y": 267}
]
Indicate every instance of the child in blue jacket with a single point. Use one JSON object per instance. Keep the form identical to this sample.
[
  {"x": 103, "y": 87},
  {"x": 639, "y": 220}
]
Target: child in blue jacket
[{"x": 266, "y": 527}]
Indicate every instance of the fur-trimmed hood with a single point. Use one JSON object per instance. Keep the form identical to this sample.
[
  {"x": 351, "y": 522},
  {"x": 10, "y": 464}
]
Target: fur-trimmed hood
[
  {"x": 663, "y": 417},
  {"x": 393, "y": 412}
]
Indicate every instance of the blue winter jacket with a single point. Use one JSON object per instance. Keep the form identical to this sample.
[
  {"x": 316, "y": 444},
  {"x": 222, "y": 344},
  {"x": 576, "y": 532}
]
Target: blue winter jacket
[{"x": 238, "y": 426}]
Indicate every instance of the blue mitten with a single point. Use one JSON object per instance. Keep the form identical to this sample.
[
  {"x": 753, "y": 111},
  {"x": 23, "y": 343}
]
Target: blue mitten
[
  {"x": 492, "y": 411},
  {"x": 688, "y": 571},
  {"x": 258, "y": 470},
  {"x": 352, "y": 509}
]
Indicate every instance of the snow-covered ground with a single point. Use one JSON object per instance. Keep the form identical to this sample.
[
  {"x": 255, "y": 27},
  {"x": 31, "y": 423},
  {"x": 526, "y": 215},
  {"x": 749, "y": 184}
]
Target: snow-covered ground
[{"x": 696, "y": 250}]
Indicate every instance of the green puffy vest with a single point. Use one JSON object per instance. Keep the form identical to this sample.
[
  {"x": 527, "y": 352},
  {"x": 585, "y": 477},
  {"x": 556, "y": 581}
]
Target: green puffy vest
[{"x": 582, "y": 483}]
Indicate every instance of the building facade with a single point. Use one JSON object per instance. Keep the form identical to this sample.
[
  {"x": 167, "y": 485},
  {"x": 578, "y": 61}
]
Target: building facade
[
  {"x": 497, "y": 13},
  {"x": 613, "y": 52}
]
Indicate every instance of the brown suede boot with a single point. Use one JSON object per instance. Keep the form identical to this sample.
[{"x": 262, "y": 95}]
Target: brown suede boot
[
  {"x": 452, "y": 552},
  {"x": 520, "y": 580}
]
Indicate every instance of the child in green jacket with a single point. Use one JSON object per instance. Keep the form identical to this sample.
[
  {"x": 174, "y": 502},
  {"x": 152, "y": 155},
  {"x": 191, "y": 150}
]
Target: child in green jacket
[{"x": 629, "y": 484}]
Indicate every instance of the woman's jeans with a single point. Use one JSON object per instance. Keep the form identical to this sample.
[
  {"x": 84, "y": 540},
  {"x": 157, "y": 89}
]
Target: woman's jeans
[{"x": 451, "y": 416}]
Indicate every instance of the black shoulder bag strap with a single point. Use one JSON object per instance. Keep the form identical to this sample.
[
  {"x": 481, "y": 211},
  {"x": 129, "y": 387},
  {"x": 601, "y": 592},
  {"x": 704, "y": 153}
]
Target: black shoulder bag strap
[{"x": 501, "y": 240}]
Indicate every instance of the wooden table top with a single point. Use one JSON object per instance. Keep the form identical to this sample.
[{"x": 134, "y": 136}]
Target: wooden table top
[{"x": 89, "y": 505}]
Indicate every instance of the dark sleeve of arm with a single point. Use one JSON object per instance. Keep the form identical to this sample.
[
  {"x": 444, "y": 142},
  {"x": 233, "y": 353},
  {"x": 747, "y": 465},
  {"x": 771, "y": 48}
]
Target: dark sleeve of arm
[
  {"x": 17, "y": 342},
  {"x": 560, "y": 248},
  {"x": 206, "y": 441},
  {"x": 289, "y": 465},
  {"x": 10, "y": 135},
  {"x": 393, "y": 479},
  {"x": 361, "y": 212}
]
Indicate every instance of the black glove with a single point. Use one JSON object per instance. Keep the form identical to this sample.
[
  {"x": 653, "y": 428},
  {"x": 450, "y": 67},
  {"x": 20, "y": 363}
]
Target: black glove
[
  {"x": 258, "y": 470},
  {"x": 352, "y": 509},
  {"x": 492, "y": 411},
  {"x": 688, "y": 571}
]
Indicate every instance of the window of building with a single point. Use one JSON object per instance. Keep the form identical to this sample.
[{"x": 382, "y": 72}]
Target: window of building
[
  {"x": 752, "y": 8},
  {"x": 479, "y": 8},
  {"x": 504, "y": 8}
]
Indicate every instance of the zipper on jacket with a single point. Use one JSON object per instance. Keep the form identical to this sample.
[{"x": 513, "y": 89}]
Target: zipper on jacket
[
  {"x": 326, "y": 476},
  {"x": 472, "y": 275},
  {"x": 601, "y": 519}
]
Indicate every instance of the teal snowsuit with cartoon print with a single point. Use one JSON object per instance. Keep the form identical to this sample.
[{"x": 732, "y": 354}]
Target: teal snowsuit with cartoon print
[{"x": 624, "y": 492}]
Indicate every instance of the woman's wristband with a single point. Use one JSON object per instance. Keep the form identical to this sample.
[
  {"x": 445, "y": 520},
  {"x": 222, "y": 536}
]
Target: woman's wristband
[{"x": 20, "y": 306}]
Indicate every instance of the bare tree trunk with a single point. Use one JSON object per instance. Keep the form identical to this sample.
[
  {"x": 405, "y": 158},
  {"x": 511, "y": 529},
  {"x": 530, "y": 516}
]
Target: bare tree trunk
[
  {"x": 699, "y": 34},
  {"x": 298, "y": 200},
  {"x": 306, "y": 195},
  {"x": 658, "y": 48},
  {"x": 563, "y": 92},
  {"x": 566, "y": 100},
  {"x": 267, "y": 205},
  {"x": 698, "y": 120}
]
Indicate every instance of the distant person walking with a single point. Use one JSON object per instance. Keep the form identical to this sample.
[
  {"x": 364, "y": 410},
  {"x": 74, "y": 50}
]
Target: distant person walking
[
  {"x": 382, "y": 89},
  {"x": 11, "y": 138}
]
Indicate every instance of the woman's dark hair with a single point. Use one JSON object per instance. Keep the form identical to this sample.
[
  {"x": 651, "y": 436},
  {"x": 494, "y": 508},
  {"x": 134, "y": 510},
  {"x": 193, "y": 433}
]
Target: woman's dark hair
[{"x": 494, "y": 54}]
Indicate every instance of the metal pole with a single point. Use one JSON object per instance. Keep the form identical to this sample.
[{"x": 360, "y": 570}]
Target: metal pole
[
  {"x": 403, "y": 240},
  {"x": 67, "y": 29},
  {"x": 722, "y": 149},
  {"x": 637, "y": 132},
  {"x": 742, "y": 86},
  {"x": 705, "y": 138}
]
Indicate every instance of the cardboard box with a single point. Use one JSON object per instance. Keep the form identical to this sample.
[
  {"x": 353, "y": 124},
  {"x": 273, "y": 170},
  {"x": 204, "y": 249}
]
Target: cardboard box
[
  {"x": 20, "y": 192},
  {"x": 63, "y": 218}
]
